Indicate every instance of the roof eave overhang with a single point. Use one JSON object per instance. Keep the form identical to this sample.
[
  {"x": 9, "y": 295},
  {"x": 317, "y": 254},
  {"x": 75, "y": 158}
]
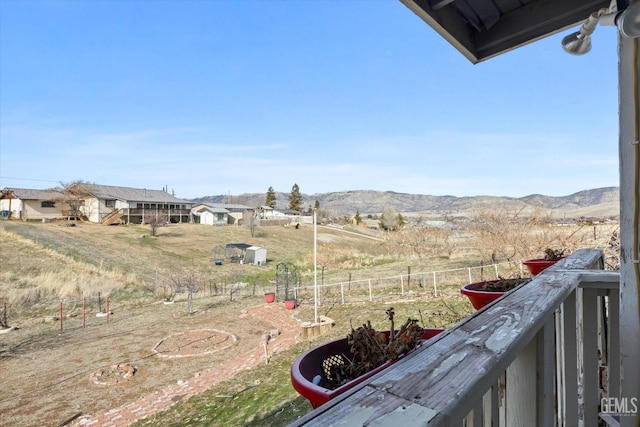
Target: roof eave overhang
[{"x": 530, "y": 22}]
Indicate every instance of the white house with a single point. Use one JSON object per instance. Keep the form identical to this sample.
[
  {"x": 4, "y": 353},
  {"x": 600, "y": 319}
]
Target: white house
[
  {"x": 218, "y": 213},
  {"x": 28, "y": 204},
  {"x": 96, "y": 203},
  {"x": 208, "y": 215}
]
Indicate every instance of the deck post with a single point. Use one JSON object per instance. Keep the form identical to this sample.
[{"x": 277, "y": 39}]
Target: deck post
[{"x": 629, "y": 149}]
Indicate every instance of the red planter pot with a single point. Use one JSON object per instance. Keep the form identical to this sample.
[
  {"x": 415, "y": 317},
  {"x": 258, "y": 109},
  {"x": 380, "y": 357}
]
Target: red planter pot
[
  {"x": 270, "y": 297},
  {"x": 310, "y": 365},
  {"x": 290, "y": 303},
  {"x": 535, "y": 266},
  {"x": 477, "y": 296}
]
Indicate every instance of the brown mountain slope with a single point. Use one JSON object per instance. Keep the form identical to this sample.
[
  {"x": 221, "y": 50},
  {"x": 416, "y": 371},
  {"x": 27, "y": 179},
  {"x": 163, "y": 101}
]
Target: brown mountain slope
[{"x": 599, "y": 202}]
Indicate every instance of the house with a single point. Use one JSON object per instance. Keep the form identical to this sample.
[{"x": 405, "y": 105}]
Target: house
[
  {"x": 29, "y": 204},
  {"x": 108, "y": 204},
  {"x": 218, "y": 213},
  {"x": 209, "y": 215},
  {"x": 265, "y": 212},
  {"x": 103, "y": 204},
  {"x": 265, "y": 216}
]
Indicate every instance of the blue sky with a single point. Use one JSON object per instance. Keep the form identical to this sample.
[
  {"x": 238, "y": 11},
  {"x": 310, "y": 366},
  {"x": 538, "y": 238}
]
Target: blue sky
[{"x": 214, "y": 97}]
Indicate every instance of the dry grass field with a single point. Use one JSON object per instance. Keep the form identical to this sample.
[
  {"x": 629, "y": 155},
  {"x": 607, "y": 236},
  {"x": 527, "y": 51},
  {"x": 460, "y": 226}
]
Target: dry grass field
[{"x": 49, "y": 375}]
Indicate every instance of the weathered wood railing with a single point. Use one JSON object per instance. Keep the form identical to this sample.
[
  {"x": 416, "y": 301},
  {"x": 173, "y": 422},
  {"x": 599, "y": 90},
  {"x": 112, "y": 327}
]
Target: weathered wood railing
[{"x": 530, "y": 359}]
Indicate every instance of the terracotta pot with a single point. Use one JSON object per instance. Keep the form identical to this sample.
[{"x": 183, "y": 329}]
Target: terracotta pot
[
  {"x": 535, "y": 266},
  {"x": 308, "y": 369},
  {"x": 290, "y": 303},
  {"x": 270, "y": 297}
]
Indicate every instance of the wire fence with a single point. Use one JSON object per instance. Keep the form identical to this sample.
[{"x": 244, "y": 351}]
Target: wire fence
[
  {"x": 68, "y": 313},
  {"x": 87, "y": 311},
  {"x": 421, "y": 284}
]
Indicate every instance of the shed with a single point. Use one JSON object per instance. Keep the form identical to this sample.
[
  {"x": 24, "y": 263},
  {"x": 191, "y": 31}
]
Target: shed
[
  {"x": 255, "y": 255},
  {"x": 211, "y": 216}
]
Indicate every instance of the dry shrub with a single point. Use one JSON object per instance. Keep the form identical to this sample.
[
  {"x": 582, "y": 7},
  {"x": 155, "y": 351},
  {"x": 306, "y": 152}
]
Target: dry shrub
[
  {"x": 514, "y": 236},
  {"x": 423, "y": 241}
]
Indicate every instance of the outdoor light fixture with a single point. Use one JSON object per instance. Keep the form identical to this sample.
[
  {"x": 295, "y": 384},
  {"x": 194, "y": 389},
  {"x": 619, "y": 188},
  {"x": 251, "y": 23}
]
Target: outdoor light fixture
[
  {"x": 579, "y": 43},
  {"x": 627, "y": 21}
]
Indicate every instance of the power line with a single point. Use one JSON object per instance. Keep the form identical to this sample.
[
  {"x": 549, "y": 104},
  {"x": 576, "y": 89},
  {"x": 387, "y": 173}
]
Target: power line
[{"x": 28, "y": 179}]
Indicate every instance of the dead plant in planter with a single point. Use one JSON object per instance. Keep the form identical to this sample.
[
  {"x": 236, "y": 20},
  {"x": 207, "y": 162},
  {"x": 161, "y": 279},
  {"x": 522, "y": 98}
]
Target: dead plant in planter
[
  {"x": 554, "y": 254},
  {"x": 503, "y": 284},
  {"x": 371, "y": 349}
]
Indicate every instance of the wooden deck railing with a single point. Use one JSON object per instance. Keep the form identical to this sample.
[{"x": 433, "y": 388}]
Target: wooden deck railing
[{"x": 532, "y": 358}]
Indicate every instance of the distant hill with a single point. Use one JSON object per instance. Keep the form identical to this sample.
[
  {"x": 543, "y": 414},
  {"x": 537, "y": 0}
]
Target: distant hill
[{"x": 598, "y": 202}]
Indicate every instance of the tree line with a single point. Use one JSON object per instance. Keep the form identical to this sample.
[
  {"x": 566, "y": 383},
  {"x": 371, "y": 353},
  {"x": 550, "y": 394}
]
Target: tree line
[{"x": 295, "y": 200}]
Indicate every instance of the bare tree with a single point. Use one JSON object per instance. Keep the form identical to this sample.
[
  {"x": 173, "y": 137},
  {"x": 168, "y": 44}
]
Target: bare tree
[
  {"x": 612, "y": 250},
  {"x": 511, "y": 236},
  {"x": 252, "y": 223},
  {"x": 180, "y": 283},
  {"x": 155, "y": 220},
  {"x": 424, "y": 242},
  {"x": 73, "y": 195}
]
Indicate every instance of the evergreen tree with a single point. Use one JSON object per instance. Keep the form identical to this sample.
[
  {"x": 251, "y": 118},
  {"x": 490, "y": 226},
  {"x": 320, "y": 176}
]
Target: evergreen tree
[
  {"x": 295, "y": 198},
  {"x": 271, "y": 198},
  {"x": 357, "y": 217}
]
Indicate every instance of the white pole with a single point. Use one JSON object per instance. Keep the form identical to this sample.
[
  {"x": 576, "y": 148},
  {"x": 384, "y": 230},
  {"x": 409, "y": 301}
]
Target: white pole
[
  {"x": 315, "y": 268},
  {"x": 435, "y": 285}
]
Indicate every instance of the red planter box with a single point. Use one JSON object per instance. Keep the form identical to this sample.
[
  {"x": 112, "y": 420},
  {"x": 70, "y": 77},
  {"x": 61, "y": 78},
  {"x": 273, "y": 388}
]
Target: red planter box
[{"x": 310, "y": 365}]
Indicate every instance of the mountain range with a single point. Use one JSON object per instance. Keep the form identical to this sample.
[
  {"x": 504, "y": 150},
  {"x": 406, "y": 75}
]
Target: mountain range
[{"x": 594, "y": 203}]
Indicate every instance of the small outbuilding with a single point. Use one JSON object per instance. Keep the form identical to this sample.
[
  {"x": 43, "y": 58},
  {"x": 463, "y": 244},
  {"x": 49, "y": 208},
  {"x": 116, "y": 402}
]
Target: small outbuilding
[{"x": 255, "y": 255}]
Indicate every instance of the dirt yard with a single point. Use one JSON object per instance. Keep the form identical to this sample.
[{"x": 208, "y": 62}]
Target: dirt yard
[
  {"x": 74, "y": 377},
  {"x": 51, "y": 377}
]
